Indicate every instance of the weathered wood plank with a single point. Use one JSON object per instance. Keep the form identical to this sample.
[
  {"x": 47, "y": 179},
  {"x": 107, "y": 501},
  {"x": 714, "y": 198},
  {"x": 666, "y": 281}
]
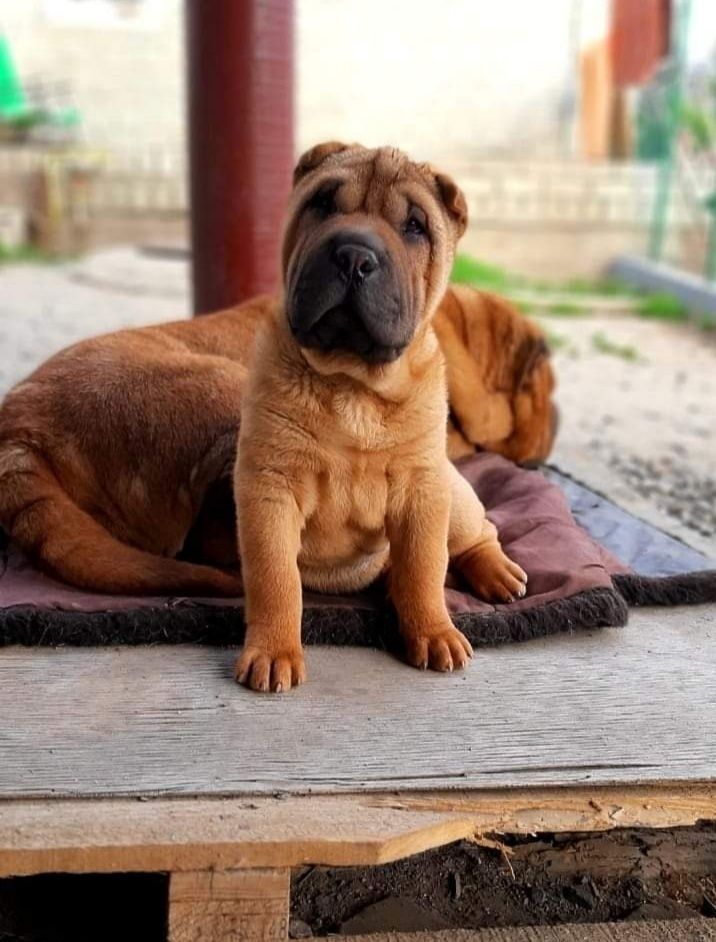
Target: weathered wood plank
[
  {"x": 228, "y": 905},
  {"x": 115, "y": 835},
  {"x": 626, "y": 706}
]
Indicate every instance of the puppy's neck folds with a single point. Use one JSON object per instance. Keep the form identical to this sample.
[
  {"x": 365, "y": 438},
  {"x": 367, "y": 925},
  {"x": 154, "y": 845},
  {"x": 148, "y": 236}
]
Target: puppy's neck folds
[{"x": 336, "y": 373}]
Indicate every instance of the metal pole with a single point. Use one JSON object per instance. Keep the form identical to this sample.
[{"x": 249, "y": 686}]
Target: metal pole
[
  {"x": 240, "y": 77},
  {"x": 678, "y": 50}
]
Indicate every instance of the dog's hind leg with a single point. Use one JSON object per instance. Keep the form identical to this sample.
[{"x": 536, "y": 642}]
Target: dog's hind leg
[
  {"x": 474, "y": 547},
  {"x": 66, "y": 541}
]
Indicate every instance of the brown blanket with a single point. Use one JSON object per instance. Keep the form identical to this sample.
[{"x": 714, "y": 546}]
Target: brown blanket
[{"x": 574, "y": 583}]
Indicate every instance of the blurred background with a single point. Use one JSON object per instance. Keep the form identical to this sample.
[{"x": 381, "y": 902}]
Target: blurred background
[{"x": 582, "y": 131}]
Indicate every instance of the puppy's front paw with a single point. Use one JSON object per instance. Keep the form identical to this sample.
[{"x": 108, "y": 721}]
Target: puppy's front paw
[
  {"x": 492, "y": 575},
  {"x": 446, "y": 649},
  {"x": 260, "y": 669}
]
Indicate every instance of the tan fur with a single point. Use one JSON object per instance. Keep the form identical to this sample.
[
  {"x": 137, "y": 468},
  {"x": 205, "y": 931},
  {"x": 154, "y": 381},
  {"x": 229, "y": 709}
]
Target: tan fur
[
  {"x": 500, "y": 380},
  {"x": 342, "y": 469},
  {"x": 115, "y": 454}
]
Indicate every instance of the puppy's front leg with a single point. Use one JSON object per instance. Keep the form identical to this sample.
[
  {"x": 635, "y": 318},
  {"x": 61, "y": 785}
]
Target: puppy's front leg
[
  {"x": 269, "y": 524},
  {"x": 418, "y": 515}
]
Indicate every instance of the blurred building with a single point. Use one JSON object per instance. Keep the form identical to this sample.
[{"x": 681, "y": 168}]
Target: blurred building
[
  {"x": 480, "y": 86},
  {"x": 479, "y": 78}
]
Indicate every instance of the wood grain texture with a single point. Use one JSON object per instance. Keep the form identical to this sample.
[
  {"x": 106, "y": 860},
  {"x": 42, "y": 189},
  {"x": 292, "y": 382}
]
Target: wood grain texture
[
  {"x": 116, "y": 835},
  {"x": 110, "y": 835},
  {"x": 229, "y": 905},
  {"x": 617, "y": 706}
]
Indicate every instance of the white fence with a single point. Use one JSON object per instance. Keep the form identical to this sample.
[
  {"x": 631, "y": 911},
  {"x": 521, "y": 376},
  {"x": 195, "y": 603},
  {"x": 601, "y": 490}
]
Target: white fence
[{"x": 502, "y": 193}]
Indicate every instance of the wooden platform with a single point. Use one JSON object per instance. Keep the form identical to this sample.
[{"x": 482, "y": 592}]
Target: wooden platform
[
  {"x": 620, "y": 706},
  {"x": 152, "y": 759}
]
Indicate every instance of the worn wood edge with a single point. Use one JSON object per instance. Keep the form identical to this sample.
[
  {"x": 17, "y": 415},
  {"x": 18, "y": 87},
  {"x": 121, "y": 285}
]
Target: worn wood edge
[
  {"x": 120, "y": 835},
  {"x": 560, "y": 809},
  {"x": 112, "y": 835}
]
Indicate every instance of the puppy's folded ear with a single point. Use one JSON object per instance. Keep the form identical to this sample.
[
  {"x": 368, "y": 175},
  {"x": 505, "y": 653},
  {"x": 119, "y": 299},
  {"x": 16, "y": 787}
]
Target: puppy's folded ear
[
  {"x": 454, "y": 200},
  {"x": 314, "y": 157}
]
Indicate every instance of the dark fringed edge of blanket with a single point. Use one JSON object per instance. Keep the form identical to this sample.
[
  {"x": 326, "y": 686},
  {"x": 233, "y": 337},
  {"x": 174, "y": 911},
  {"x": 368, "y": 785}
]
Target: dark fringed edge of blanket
[
  {"x": 362, "y": 627},
  {"x": 689, "y": 588}
]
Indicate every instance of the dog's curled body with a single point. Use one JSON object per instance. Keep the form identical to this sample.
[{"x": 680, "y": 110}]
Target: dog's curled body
[
  {"x": 110, "y": 452},
  {"x": 107, "y": 451}
]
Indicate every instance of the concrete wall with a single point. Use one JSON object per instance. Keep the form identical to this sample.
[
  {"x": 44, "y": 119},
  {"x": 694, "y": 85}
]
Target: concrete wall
[{"x": 462, "y": 76}]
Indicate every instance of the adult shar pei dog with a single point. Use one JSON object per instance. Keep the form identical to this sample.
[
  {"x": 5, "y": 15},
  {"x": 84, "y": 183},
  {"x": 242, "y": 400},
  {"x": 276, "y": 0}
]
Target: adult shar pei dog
[{"x": 109, "y": 451}]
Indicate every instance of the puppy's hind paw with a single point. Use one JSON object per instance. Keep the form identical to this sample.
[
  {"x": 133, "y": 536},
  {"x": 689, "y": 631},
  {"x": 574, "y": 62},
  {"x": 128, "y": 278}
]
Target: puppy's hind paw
[{"x": 492, "y": 575}]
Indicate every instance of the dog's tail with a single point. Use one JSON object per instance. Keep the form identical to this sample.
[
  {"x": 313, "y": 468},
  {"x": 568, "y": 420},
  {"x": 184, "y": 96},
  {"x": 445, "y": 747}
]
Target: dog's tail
[{"x": 65, "y": 541}]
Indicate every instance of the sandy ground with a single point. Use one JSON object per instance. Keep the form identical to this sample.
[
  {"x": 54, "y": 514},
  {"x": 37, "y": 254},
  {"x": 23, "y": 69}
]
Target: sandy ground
[
  {"x": 637, "y": 398},
  {"x": 642, "y": 430}
]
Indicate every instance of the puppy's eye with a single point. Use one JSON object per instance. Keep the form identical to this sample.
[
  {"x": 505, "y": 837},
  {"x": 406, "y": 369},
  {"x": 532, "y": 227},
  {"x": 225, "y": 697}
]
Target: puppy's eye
[
  {"x": 323, "y": 203},
  {"x": 414, "y": 226}
]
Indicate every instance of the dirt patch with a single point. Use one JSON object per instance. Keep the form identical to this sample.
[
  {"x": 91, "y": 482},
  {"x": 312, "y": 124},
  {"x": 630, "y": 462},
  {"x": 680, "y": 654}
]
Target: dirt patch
[{"x": 546, "y": 881}]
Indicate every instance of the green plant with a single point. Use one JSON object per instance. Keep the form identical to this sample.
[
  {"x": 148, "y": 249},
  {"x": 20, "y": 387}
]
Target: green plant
[
  {"x": 26, "y": 254},
  {"x": 556, "y": 341},
  {"x": 603, "y": 344},
  {"x": 566, "y": 309},
  {"x": 609, "y": 287},
  {"x": 662, "y": 306},
  {"x": 472, "y": 271},
  {"x": 481, "y": 274},
  {"x": 700, "y": 124}
]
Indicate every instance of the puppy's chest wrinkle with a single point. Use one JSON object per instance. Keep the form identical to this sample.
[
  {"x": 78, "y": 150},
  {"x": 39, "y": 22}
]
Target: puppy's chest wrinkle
[
  {"x": 348, "y": 505},
  {"x": 360, "y": 423}
]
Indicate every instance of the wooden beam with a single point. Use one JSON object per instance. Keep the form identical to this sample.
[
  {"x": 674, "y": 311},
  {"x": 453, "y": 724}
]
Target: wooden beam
[
  {"x": 240, "y": 64},
  {"x": 191, "y": 834},
  {"x": 225, "y": 905}
]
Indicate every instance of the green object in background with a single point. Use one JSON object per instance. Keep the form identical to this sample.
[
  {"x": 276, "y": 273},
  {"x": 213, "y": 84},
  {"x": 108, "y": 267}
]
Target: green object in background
[
  {"x": 710, "y": 266},
  {"x": 672, "y": 119},
  {"x": 14, "y": 106},
  {"x": 16, "y": 110}
]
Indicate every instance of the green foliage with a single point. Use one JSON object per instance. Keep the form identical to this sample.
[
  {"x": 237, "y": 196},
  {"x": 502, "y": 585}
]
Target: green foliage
[
  {"x": 603, "y": 344},
  {"x": 481, "y": 274},
  {"x": 25, "y": 254},
  {"x": 566, "y": 309},
  {"x": 608, "y": 287},
  {"x": 700, "y": 124},
  {"x": 658, "y": 306},
  {"x": 472, "y": 271},
  {"x": 556, "y": 341},
  {"x": 662, "y": 306}
]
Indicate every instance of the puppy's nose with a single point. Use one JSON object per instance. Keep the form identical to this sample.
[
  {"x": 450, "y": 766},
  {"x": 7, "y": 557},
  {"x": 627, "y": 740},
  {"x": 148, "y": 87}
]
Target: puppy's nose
[{"x": 355, "y": 262}]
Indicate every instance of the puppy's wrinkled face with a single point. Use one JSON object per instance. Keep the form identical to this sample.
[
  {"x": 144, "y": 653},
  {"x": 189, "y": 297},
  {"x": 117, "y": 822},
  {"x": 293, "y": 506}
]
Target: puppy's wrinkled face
[{"x": 367, "y": 251}]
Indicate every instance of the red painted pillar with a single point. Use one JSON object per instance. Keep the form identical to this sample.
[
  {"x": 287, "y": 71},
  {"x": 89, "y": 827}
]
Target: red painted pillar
[{"x": 240, "y": 64}]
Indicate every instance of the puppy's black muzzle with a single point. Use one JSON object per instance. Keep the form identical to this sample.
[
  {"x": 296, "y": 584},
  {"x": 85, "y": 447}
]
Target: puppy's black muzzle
[
  {"x": 355, "y": 261},
  {"x": 346, "y": 296}
]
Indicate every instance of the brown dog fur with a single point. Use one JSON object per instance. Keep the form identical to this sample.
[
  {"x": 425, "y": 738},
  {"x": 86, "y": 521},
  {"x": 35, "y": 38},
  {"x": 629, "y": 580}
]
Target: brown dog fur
[
  {"x": 109, "y": 452},
  {"x": 500, "y": 380},
  {"x": 342, "y": 471}
]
